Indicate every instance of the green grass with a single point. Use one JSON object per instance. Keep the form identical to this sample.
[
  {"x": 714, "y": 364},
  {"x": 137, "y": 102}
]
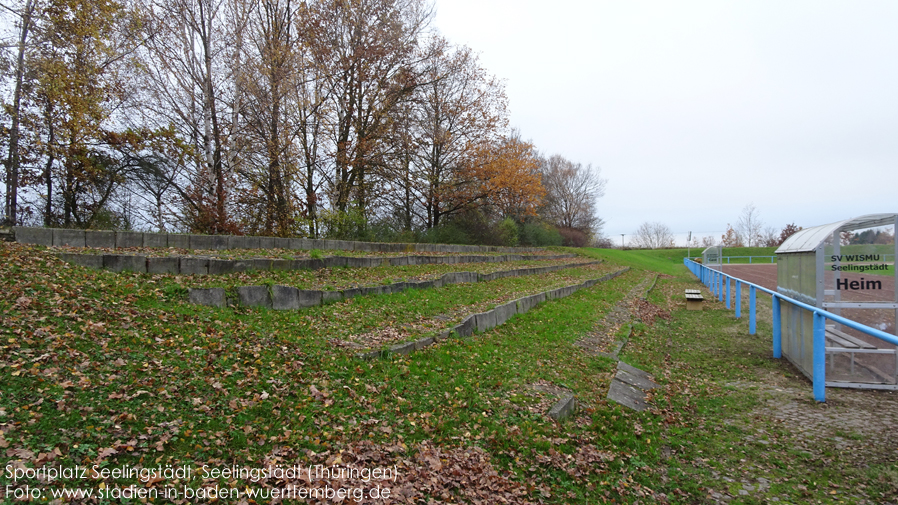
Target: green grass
[{"x": 118, "y": 370}]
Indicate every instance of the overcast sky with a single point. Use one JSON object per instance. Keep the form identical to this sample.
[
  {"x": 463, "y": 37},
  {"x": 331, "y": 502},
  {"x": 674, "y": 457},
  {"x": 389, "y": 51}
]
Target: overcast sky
[{"x": 692, "y": 110}]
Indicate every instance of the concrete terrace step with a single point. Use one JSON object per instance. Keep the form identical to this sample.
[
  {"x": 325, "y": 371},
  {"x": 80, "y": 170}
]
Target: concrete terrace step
[
  {"x": 290, "y": 298},
  {"x": 204, "y": 265}
]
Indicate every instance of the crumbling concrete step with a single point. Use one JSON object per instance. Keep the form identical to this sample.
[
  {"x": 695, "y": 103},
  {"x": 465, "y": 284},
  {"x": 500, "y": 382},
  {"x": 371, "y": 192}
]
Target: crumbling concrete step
[{"x": 630, "y": 385}]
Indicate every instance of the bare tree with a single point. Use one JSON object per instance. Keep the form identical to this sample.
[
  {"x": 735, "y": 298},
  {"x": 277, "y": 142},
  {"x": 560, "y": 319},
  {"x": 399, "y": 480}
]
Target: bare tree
[
  {"x": 571, "y": 194},
  {"x": 749, "y": 226},
  {"x": 770, "y": 237},
  {"x": 652, "y": 236}
]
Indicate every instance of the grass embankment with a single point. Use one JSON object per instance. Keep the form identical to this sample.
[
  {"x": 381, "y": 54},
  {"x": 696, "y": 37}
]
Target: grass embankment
[{"x": 117, "y": 371}]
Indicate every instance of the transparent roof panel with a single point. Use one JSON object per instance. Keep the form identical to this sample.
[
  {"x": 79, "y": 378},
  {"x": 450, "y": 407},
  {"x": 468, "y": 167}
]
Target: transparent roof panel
[{"x": 808, "y": 239}]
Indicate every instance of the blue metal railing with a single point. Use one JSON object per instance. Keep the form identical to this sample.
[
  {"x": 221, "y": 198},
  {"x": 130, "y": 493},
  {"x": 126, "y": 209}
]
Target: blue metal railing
[{"x": 718, "y": 281}]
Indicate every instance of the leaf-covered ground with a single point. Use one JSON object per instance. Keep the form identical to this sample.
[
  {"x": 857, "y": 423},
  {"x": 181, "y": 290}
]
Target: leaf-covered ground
[{"x": 106, "y": 372}]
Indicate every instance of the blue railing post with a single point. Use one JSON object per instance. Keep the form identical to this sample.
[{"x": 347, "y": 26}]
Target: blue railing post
[
  {"x": 819, "y": 378},
  {"x": 720, "y": 286},
  {"x": 752, "y": 326},
  {"x": 738, "y": 298},
  {"x": 777, "y": 328},
  {"x": 728, "y": 292}
]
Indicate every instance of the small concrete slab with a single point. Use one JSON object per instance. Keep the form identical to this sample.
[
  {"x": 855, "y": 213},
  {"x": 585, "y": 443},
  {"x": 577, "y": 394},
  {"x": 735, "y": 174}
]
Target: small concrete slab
[
  {"x": 369, "y": 355},
  {"x": 194, "y": 266},
  {"x": 179, "y": 240},
  {"x": 85, "y": 260},
  {"x": 220, "y": 266},
  {"x": 505, "y": 312},
  {"x": 125, "y": 239},
  {"x": 238, "y": 242},
  {"x": 101, "y": 239},
  {"x": 213, "y": 297},
  {"x": 352, "y": 293},
  {"x": 564, "y": 408},
  {"x": 281, "y": 265},
  {"x": 485, "y": 320},
  {"x": 637, "y": 380},
  {"x": 68, "y": 238},
  {"x": 284, "y": 298},
  {"x": 627, "y": 395},
  {"x": 125, "y": 263},
  {"x": 298, "y": 244},
  {"x": 465, "y": 328},
  {"x": 33, "y": 236},
  {"x": 424, "y": 342},
  {"x": 266, "y": 242},
  {"x": 309, "y": 298},
  {"x": 201, "y": 242},
  {"x": 281, "y": 243},
  {"x": 335, "y": 262},
  {"x": 163, "y": 265},
  {"x": 260, "y": 264},
  {"x": 155, "y": 240},
  {"x": 331, "y": 296},
  {"x": 403, "y": 349},
  {"x": 254, "y": 296}
]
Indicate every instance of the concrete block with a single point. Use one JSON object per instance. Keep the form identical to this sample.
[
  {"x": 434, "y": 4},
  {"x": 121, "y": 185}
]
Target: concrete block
[
  {"x": 266, "y": 242},
  {"x": 85, "y": 260},
  {"x": 505, "y": 312},
  {"x": 220, "y": 267},
  {"x": 421, "y": 285},
  {"x": 242, "y": 265},
  {"x": 237, "y": 242},
  {"x": 335, "y": 261},
  {"x": 372, "y": 290},
  {"x": 284, "y": 298},
  {"x": 254, "y": 296},
  {"x": 219, "y": 242},
  {"x": 465, "y": 328},
  {"x": 289, "y": 298},
  {"x": 155, "y": 240},
  {"x": 298, "y": 244},
  {"x": 406, "y": 348},
  {"x": 213, "y": 297},
  {"x": 170, "y": 265},
  {"x": 34, "y": 236},
  {"x": 314, "y": 264},
  {"x": 362, "y": 246},
  {"x": 281, "y": 243},
  {"x": 369, "y": 355},
  {"x": 125, "y": 263},
  {"x": 399, "y": 261},
  {"x": 315, "y": 243},
  {"x": 281, "y": 265},
  {"x": 627, "y": 395},
  {"x": 260, "y": 264},
  {"x": 99, "y": 238},
  {"x": 399, "y": 287},
  {"x": 355, "y": 262},
  {"x": 331, "y": 296},
  {"x": 69, "y": 238},
  {"x": 352, "y": 293},
  {"x": 485, "y": 320},
  {"x": 444, "y": 335},
  {"x": 564, "y": 408},
  {"x": 201, "y": 242},
  {"x": 522, "y": 305},
  {"x": 638, "y": 378},
  {"x": 424, "y": 342},
  {"x": 194, "y": 265},
  {"x": 124, "y": 239},
  {"x": 179, "y": 241}
]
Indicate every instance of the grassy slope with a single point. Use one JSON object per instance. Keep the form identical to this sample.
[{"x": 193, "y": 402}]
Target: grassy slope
[{"x": 108, "y": 369}]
